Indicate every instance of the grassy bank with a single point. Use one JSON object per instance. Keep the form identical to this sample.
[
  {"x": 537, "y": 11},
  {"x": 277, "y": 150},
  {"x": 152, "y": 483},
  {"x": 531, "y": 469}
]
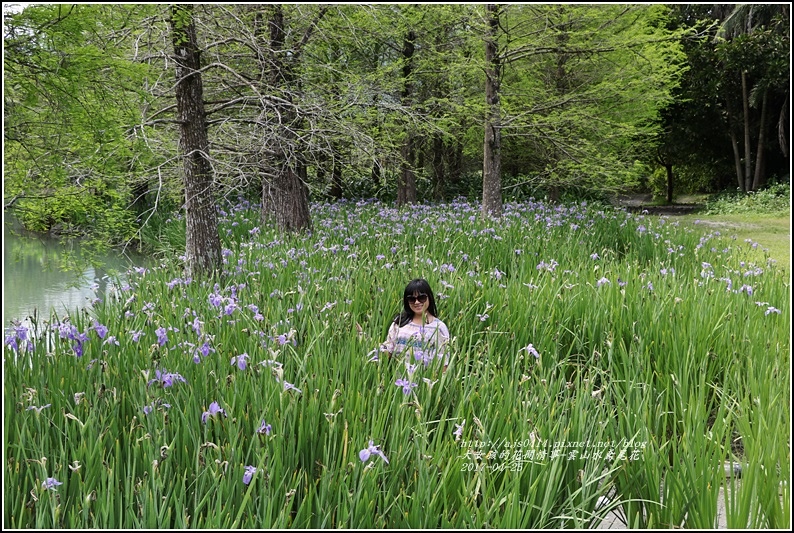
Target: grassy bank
[
  {"x": 765, "y": 237},
  {"x": 595, "y": 353}
]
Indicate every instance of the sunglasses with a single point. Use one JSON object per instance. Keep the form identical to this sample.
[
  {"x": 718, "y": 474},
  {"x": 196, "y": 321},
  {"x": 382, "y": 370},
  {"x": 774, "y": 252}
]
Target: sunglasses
[{"x": 421, "y": 298}]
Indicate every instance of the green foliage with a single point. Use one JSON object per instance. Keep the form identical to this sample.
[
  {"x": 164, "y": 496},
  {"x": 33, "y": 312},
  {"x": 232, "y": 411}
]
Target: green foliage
[
  {"x": 709, "y": 105},
  {"x": 774, "y": 200},
  {"x": 71, "y": 97},
  {"x": 687, "y": 179},
  {"x": 596, "y": 292},
  {"x": 164, "y": 234},
  {"x": 583, "y": 89},
  {"x": 88, "y": 103}
]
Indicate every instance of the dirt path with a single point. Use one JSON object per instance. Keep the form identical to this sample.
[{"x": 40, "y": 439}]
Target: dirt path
[{"x": 640, "y": 203}]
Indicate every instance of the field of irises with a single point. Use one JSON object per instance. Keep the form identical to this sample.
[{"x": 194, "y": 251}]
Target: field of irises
[{"x": 601, "y": 362}]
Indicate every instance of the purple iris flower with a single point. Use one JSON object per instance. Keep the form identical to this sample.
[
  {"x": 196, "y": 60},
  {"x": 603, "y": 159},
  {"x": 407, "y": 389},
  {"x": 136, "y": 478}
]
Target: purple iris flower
[
  {"x": 240, "y": 360},
  {"x": 531, "y": 350},
  {"x": 50, "y": 483},
  {"x": 406, "y": 385},
  {"x": 249, "y": 474},
  {"x": 459, "y": 428},
  {"x": 213, "y": 410},
  {"x": 206, "y": 349},
  {"x": 288, "y": 386},
  {"x": 264, "y": 428},
  {"x": 11, "y": 340},
  {"x": 101, "y": 330},
  {"x": 111, "y": 340},
  {"x": 371, "y": 450},
  {"x": 162, "y": 336},
  {"x": 22, "y": 332},
  {"x": 166, "y": 379},
  {"x": 64, "y": 330}
]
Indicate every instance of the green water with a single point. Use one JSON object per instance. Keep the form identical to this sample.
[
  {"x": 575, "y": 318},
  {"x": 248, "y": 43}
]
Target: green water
[{"x": 34, "y": 284}]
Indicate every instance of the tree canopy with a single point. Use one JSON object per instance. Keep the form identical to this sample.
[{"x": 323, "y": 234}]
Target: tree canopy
[{"x": 383, "y": 100}]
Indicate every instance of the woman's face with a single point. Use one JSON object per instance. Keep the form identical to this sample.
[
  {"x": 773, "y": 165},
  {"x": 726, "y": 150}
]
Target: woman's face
[{"x": 419, "y": 303}]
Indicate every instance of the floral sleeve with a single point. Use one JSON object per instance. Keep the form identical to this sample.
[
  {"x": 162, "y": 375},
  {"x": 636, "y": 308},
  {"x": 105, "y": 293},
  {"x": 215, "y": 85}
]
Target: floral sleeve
[{"x": 391, "y": 339}]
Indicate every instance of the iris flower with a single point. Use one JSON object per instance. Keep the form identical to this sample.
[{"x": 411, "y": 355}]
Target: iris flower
[
  {"x": 162, "y": 335},
  {"x": 406, "y": 385},
  {"x": 531, "y": 350},
  {"x": 50, "y": 483},
  {"x": 371, "y": 450},
  {"x": 459, "y": 430},
  {"x": 101, "y": 330},
  {"x": 240, "y": 360},
  {"x": 249, "y": 474},
  {"x": 214, "y": 409},
  {"x": 264, "y": 428}
]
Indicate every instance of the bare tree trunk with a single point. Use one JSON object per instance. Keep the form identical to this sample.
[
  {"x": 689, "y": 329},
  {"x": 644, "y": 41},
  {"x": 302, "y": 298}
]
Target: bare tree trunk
[
  {"x": 669, "y": 168},
  {"x": 287, "y": 192},
  {"x": 406, "y": 185},
  {"x": 782, "y": 137},
  {"x": 290, "y": 200},
  {"x": 437, "y": 162},
  {"x": 759, "y": 179},
  {"x": 376, "y": 172},
  {"x": 737, "y": 156},
  {"x": 268, "y": 195},
  {"x": 492, "y": 146},
  {"x": 203, "y": 246},
  {"x": 748, "y": 163}
]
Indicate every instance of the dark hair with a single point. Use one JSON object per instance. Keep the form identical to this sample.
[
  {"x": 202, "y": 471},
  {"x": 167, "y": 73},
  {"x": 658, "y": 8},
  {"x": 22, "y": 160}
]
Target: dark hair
[{"x": 418, "y": 286}]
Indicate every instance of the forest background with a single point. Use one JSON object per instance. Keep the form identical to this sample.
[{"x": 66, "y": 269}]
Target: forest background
[{"x": 117, "y": 117}]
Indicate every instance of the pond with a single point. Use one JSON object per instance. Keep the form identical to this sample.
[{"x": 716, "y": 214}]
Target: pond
[{"x": 34, "y": 285}]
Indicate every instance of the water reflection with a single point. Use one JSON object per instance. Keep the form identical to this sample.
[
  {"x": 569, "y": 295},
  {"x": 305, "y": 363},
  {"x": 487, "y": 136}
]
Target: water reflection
[{"x": 34, "y": 285}]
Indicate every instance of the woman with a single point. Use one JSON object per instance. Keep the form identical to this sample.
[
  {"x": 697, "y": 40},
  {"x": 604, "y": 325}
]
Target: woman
[{"x": 417, "y": 330}]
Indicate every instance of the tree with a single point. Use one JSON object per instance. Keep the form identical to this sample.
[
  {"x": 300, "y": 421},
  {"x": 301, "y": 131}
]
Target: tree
[
  {"x": 286, "y": 195},
  {"x": 406, "y": 185},
  {"x": 754, "y": 41},
  {"x": 580, "y": 90},
  {"x": 492, "y": 146},
  {"x": 69, "y": 157},
  {"x": 712, "y": 121},
  {"x": 203, "y": 247}
]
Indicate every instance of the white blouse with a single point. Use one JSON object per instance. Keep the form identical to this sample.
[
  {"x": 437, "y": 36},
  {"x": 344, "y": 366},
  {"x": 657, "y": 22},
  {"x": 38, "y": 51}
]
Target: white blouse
[{"x": 421, "y": 343}]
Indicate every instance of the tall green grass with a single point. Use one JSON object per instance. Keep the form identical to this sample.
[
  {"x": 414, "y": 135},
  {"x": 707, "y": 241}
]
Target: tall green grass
[{"x": 662, "y": 355}]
